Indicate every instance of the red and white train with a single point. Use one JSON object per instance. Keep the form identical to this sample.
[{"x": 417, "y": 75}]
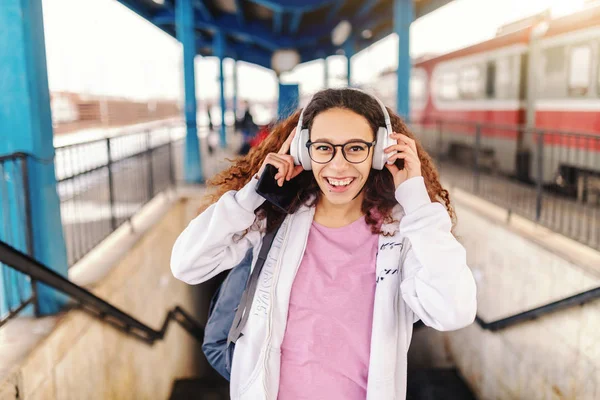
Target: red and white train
[{"x": 489, "y": 83}]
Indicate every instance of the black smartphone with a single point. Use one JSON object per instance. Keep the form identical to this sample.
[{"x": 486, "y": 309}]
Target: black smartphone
[{"x": 280, "y": 196}]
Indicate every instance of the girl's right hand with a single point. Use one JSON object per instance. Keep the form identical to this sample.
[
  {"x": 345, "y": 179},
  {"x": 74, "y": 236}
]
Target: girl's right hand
[{"x": 283, "y": 161}]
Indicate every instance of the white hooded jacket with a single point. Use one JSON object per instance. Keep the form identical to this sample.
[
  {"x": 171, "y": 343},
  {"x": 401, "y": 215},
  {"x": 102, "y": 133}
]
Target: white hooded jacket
[{"x": 421, "y": 274}]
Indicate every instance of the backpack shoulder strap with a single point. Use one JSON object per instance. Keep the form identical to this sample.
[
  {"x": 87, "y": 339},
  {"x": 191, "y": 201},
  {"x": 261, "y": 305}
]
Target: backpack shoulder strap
[{"x": 243, "y": 310}]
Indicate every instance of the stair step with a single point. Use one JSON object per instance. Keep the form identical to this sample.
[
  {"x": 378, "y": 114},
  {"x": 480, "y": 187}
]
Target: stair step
[
  {"x": 200, "y": 389},
  {"x": 437, "y": 383},
  {"x": 423, "y": 384}
]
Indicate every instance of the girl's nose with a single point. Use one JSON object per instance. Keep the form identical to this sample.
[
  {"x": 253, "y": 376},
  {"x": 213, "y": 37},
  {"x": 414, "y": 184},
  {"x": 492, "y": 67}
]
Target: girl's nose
[{"x": 339, "y": 162}]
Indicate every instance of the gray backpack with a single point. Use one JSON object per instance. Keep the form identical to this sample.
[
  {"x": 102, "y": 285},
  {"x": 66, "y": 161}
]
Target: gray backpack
[{"x": 230, "y": 307}]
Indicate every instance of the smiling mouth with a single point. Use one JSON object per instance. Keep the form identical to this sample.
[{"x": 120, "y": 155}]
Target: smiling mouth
[{"x": 340, "y": 182}]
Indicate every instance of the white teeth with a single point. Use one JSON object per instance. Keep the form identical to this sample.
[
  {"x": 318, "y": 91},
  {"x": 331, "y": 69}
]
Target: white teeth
[{"x": 340, "y": 182}]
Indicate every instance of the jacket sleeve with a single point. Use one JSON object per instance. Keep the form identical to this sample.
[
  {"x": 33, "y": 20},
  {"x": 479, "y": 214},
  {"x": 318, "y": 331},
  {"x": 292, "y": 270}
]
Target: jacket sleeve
[
  {"x": 213, "y": 241},
  {"x": 437, "y": 284}
]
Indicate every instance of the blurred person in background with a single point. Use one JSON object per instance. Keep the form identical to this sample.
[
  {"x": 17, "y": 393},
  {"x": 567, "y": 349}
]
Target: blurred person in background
[
  {"x": 212, "y": 137},
  {"x": 248, "y": 127}
]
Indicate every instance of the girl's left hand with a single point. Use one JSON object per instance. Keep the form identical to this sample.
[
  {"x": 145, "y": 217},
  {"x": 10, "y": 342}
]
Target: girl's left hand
[{"x": 405, "y": 149}]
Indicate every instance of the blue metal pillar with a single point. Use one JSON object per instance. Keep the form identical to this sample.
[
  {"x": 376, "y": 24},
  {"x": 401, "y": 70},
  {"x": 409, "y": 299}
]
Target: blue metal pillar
[
  {"x": 235, "y": 89},
  {"x": 26, "y": 126},
  {"x": 186, "y": 35},
  {"x": 325, "y": 73},
  {"x": 349, "y": 51},
  {"x": 289, "y": 99},
  {"x": 220, "y": 52},
  {"x": 403, "y": 18}
]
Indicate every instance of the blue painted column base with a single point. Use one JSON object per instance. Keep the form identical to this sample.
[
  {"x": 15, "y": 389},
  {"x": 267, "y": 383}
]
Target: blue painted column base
[
  {"x": 186, "y": 35},
  {"x": 403, "y": 18},
  {"x": 26, "y": 126}
]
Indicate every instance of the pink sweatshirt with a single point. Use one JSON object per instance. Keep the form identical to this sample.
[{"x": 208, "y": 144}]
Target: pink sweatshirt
[{"x": 326, "y": 346}]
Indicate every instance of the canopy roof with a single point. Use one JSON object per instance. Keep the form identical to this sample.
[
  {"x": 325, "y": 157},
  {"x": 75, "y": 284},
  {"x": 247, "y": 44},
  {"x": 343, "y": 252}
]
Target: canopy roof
[{"x": 254, "y": 29}]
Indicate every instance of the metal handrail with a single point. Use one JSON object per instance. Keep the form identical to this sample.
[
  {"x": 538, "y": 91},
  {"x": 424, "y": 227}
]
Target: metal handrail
[
  {"x": 92, "y": 303},
  {"x": 106, "y": 158},
  {"x": 519, "y": 318},
  {"x": 20, "y": 162},
  {"x": 571, "y": 301},
  {"x": 553, "y": 177}
]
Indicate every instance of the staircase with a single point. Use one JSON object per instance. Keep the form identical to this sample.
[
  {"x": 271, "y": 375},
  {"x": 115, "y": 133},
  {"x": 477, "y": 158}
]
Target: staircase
[
  {"x": 424, "y": 384},
  {"x": 213, "y": 388}
]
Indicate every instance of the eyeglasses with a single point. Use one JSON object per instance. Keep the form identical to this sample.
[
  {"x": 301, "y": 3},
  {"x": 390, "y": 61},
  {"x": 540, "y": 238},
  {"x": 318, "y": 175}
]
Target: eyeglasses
[{"x": 355, "y": 151}]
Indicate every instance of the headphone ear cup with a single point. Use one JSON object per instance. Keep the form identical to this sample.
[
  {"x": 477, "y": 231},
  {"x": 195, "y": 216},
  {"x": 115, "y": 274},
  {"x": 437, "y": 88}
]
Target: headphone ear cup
[
  {"x": 303, "y": 155},
  {"x": 294, "y": 146},
  {"x": 383, "y": 141}
]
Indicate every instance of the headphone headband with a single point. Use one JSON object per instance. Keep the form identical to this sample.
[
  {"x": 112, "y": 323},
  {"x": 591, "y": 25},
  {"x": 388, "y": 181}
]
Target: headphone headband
[{"x": 386, "y": 115}]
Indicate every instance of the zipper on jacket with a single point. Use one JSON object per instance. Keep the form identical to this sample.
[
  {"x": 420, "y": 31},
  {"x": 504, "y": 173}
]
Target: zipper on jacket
[
  {"x": 265, "y": 386},
  {"x": 270, "y": 319}
]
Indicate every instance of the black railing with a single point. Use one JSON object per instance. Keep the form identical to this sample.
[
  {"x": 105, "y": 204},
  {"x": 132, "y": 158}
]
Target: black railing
[
  {"x": 18, "y": 292},
  {"x": 103, "y": 183},
  {"x": 576, "y": 300},
  {"x": 551, "y": 177},
  {"x": 89, "y": 302},
  {"x": 569, "y": 302}
]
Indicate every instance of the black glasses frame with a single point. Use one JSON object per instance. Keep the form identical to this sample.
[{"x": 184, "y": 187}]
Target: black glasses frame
[{"x": 368, "y": 144}]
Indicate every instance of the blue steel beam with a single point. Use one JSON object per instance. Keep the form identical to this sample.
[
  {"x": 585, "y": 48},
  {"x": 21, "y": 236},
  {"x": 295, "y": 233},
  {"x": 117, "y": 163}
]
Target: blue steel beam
[
  {"x": 366, "y": 8},
  {"x": 250, "y": 56},
  {"x": 334, "y": 10},
  {"x": 26, "y": 126},
  {"x": 370, "y": 22},
  {"x": 295, "y": 24},
  {"x": 240, "y": 12},
  {"x": 220, "y": 42},
  {"x": 403, "y": 17},
  {"x": 201, "y": 7},
  {"x": 236, "y": 51},
  {"x": 277, "y": 22},
  {"x": 254, "y": 31},
  {"x": 303, "y": 6},
  {"x": 254, "y": 58},
  {"x": 186, "y": 35},
  {"x": 262, "y": 35},
  {"x": 310, "y": 54}
]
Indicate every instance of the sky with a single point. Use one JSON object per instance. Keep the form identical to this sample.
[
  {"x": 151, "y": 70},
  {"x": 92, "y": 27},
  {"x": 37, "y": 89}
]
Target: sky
[{"x": 100, "y": 47}]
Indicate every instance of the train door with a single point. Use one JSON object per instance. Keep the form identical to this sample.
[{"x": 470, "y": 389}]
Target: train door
[{"x": 523, "y": 150}]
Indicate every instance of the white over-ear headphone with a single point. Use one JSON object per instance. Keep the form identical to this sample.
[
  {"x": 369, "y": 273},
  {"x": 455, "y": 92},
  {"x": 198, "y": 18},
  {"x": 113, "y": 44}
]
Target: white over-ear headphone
[{"x": 299, "y": 148}]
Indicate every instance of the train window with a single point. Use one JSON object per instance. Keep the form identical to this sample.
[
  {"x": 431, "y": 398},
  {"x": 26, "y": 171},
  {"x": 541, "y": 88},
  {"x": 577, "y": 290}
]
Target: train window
[
  {"x": 580, "y": 70},
  {"x": 447, "y": 86},
  {"x": 504, "y": 67},
  {"x": 417, "y": 87},
  {"x": 490, "y": 80},
  {"x": 470, "y": 82},
  {"x": 554, "y": 61}
]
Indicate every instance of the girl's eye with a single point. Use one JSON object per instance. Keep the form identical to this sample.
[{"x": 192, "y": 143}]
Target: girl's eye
[
  {"x": 356, "y": 148},
  {"x": 323, "y": 148}
]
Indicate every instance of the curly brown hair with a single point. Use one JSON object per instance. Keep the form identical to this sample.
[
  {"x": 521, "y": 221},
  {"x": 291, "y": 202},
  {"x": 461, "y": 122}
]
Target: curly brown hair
[{"x": 379, "y": 190}]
